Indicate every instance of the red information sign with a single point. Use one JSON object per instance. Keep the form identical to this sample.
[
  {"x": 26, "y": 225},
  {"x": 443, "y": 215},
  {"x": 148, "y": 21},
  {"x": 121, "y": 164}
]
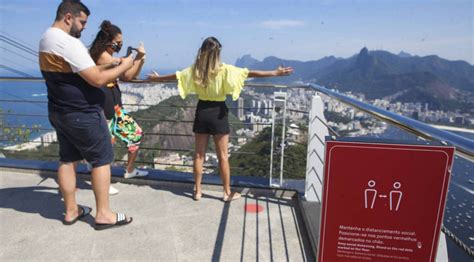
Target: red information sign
[{"x": 383, "y": 202}]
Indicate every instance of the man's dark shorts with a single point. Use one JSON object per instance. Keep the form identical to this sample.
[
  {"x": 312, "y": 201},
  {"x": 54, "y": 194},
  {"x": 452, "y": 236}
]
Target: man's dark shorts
[{"x": 83, "y": 136}]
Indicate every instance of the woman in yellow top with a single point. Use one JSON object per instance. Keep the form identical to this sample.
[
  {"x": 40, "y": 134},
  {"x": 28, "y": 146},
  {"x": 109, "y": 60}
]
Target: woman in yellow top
[{"x": 212, "y": 81}]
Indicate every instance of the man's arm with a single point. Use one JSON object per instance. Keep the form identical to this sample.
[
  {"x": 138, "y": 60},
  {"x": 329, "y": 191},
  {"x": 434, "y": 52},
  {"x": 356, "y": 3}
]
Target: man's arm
[
  {"x": 106, "y": 61},
  {"x": 98, "y": 77},
  {"x": 106, "y": 66}
]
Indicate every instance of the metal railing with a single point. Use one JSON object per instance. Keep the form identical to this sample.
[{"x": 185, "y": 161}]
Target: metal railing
[
  {"x": 464, "y": 147},
  {"x": 142, "y": 120}
]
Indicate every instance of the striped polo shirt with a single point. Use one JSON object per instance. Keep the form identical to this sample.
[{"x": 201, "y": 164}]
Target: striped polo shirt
[{"x": 61, "y": 58}]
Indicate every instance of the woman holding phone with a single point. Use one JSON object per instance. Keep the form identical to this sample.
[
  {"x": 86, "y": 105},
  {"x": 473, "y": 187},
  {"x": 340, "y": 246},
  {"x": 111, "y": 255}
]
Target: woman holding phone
[{"x": 122, "y": 126}]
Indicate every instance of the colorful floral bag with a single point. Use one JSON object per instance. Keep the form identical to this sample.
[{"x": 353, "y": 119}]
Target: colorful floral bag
[{"x": 124, "y": 127}]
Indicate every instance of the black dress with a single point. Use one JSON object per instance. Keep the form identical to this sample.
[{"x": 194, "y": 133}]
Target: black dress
[{"x": 113, "y": 97}]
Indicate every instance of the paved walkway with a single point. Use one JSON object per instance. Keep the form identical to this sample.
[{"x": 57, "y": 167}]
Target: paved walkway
[{"x": 168, "y": 225}]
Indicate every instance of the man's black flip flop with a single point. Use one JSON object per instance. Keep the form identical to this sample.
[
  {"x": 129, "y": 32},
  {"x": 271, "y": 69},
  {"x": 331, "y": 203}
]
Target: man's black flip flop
[
  {"x": 121, "y": 221},
  {"x": 85, "y": 211}
]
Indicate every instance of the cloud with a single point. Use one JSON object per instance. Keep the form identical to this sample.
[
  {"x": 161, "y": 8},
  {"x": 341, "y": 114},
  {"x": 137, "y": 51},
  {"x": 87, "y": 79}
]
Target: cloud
[{"x": 281, "y": 24}]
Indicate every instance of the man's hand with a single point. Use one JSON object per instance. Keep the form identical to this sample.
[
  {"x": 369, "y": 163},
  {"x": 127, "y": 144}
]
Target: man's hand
[
  {"x": 116, "y": 61},
  {"x": 127, "y": 61}
]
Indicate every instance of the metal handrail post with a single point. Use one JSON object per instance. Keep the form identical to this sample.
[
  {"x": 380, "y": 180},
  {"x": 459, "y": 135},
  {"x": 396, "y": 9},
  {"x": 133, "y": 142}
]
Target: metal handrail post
[
  {"x": 283, "y": 140},
  {"x": 271, "y": 146}
]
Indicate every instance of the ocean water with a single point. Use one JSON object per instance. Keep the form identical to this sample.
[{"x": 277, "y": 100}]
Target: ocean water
[
  {"x": 459, "y": 212},
  {"x": 24, "y": 98},
  {"x": 31, "y": 98}
]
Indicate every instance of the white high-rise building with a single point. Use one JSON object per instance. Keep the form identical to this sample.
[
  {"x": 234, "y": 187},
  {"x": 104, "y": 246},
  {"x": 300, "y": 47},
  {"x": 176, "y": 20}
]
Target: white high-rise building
[
  {"x": 265, "y": 107},
  {"x": 254, "y": 106},
  {"x": 240, "y": 110}
]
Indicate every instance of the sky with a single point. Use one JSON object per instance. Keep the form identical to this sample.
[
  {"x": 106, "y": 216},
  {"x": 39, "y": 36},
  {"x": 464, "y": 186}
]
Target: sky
[{"x": 292, "y": 29}]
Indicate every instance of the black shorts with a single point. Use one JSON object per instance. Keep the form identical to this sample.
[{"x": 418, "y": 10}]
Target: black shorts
[
  {"x": 211, "y": 118},
  {"x": 83, "y": 136}
]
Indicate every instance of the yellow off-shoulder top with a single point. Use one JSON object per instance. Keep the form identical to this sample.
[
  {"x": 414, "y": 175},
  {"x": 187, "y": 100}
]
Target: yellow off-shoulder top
[{"x": 228, "y": 81}]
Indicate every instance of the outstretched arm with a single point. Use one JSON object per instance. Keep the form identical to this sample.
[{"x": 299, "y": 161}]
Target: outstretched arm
[
  {"x": 280, "y": 71},
  {"x": 155, "y": 77}
]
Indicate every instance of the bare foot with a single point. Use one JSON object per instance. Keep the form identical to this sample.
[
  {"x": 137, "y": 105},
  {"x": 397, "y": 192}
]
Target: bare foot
[
  {"x": 72, "y": 214},
  {"x": 232, "y": 196},
  {"x": 197, "y": 195}
]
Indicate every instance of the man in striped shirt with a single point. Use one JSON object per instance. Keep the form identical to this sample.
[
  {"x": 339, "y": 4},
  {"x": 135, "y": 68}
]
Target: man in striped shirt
[{"x": 75, "y": 111}]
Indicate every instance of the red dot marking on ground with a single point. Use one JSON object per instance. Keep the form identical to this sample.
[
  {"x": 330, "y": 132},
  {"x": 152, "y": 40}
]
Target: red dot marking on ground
[{"x": 253, "y": 208}]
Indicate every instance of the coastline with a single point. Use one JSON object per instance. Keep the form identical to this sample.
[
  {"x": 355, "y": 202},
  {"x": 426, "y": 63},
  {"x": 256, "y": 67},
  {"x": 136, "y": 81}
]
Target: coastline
[{"x": 48, "y": 137}]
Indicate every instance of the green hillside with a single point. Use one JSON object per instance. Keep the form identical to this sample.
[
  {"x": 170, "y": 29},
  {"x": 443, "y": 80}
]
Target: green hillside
[{"x": 258, "y": 163}]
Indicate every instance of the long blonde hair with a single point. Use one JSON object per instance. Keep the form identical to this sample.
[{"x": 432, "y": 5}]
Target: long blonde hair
[{"x": 208, "y": 62}]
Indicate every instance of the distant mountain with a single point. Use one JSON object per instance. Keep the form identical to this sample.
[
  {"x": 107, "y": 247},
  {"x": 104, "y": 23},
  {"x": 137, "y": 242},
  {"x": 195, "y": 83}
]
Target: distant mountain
[
  {"x": 246, "y": 61},
  {"x": 304, "y": 71},
  {"x": 404, "y": 54},
  {"x": 442, "y": 83}
]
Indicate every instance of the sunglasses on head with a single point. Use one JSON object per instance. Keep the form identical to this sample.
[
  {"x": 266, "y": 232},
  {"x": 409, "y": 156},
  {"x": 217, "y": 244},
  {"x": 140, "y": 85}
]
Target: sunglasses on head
[{"x": 116, "y": 46}]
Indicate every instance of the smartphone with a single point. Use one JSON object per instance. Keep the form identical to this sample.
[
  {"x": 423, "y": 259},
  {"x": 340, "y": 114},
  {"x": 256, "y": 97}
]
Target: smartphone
[{"x": 129, "y": 50}]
